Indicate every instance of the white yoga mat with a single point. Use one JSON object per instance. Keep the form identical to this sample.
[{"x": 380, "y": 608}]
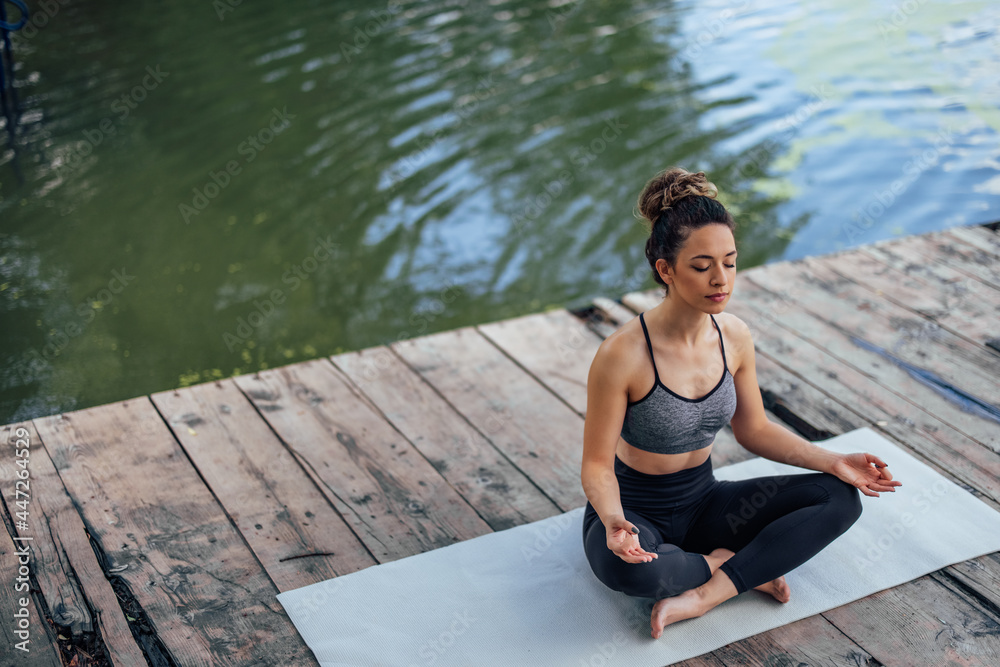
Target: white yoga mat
[{"x": 527, "y": 596}]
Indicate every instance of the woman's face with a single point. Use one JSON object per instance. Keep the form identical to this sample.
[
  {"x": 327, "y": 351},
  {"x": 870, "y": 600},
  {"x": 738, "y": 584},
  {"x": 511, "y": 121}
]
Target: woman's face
[{"x": 706, "y": 265}]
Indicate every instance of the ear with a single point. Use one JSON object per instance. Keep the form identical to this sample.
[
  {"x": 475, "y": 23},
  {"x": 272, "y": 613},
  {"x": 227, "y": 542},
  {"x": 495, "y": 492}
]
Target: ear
[{"x": 664, "y": 270}]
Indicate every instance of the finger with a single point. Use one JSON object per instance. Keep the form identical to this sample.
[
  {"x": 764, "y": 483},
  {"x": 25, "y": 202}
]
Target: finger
[
  {"x": 879, "y": 462},
  {"x": 633, "y": 558},
  {"x": 868, "y": 492},
  {"x": 882, "y": 487},
  {"x": 639, "y": 551}
]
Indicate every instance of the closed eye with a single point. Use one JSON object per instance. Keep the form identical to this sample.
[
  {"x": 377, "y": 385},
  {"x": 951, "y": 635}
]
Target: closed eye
[{"x": 728, "y": 266}]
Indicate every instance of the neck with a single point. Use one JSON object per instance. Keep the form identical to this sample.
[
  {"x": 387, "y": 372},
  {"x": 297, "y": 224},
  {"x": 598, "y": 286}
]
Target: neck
[{"x": 679, "y": 321}]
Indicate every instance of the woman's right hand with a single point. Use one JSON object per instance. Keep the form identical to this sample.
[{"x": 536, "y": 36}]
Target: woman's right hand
[{"x": 625, "y": 543}]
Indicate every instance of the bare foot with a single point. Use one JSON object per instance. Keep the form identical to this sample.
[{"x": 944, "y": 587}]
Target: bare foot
[
  {"x": 688, "y": 604},
  {"x": 777, "y": 588}
]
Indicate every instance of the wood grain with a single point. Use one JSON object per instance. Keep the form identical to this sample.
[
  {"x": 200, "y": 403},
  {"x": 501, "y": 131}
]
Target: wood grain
[
  {"x": 186, "y": 572},
  {"x": 393, "y": 499},
  {"x": 293, "y": 529},
  {"x": 68, "y": 573},
  {"x": 500, "y": 493},
  {"x": 534, "y": 429}
]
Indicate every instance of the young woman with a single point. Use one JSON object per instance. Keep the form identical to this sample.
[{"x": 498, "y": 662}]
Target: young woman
[{"x": 658, "y": 524}]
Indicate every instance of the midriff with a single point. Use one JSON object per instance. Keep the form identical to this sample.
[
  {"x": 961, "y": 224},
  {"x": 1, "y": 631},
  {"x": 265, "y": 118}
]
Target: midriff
[{"x": 653, "y": 463}]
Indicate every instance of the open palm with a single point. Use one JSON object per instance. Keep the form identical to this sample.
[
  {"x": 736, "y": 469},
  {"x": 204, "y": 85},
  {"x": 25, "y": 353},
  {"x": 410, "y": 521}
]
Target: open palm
[{"x": 857, "y": 470}]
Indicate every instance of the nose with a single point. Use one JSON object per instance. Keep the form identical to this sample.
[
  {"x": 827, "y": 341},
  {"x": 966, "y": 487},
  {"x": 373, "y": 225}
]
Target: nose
[{"x": 719, "y": 276}]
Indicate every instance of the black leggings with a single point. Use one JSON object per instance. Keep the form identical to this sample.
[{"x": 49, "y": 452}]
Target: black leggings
[{"x": 773, "y": 523}]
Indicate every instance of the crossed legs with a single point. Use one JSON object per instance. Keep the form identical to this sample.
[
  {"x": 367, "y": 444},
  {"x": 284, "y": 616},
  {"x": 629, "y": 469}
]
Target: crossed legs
[{"x": 744, "y": 534}]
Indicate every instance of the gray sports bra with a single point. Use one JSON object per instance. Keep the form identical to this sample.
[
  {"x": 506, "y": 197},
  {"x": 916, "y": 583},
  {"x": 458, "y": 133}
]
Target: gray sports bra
[{"x": 667, "y": 423}]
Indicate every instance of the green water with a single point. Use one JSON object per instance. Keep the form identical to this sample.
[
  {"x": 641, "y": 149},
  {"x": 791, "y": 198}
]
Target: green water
[{"x": 197, "y": 189}]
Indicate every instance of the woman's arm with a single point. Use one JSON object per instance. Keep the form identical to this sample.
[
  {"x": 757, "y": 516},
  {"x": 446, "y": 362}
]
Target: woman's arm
[
  {"x": 607, "y": 396},
  {"x": 761, "y": 436}
]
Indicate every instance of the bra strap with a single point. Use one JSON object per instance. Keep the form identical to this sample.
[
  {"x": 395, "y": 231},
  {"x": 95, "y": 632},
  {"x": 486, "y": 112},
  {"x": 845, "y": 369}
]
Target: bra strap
[
  {"x": 649, "y": 344},
  {"x": 725, "y": 366}
]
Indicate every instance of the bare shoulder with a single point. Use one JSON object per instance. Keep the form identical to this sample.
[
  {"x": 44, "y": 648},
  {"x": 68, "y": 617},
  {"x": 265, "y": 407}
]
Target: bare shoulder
[
  {"x": 738, "y": 340},
  {"x": 618, "y": 354}
]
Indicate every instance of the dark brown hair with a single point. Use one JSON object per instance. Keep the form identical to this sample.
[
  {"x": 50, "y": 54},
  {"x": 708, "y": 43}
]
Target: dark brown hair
[{"x": 675, "y": 202}]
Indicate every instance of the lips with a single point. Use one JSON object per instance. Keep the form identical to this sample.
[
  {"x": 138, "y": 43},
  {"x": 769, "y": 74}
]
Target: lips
[{"x": 715, "y": 296}]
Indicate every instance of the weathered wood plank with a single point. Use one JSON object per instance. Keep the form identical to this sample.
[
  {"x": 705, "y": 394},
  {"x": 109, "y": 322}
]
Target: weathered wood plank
[
  {"x": 172, "y": 554},
  {"x": 703, "y": 660},
  {"x": 614, "y": 311},
  {"x": 49, "y": 558},
  {"x": 971, "y": 595},
  {"x": 980, "y": 574},
  {"x": 62, "y": 556},
  {"x": 808, "y": 348},
  {"x": 956, "y": 254},
  {"x": 535, "y": 430},
  {"x": 920, "y": 622},
  {"x": 500, "y": 493},
  {"x": 977, "y": 236},
  {"x": 809, "y": 641},
  {"x": 555, "y": 347},
  {"x": 844, "y": 304},
  {"x": 844, "y": 330},
  {"x": 294, "y": 531},
  {"x": 959, "y": 302},
  {"x": 390, "y": 495},
  {"x": 26, "y": 636}
]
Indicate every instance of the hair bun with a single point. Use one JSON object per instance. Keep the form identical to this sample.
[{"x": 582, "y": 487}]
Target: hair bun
[{"x": 670, "y": 186}]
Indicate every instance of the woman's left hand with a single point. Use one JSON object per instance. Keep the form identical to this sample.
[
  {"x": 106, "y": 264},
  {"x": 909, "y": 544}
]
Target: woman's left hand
[{"x": 857, "y": 469}]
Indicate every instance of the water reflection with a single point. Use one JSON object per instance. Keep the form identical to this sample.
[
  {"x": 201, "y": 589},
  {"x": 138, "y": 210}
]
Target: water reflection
[{"x": 442, "y": 165}]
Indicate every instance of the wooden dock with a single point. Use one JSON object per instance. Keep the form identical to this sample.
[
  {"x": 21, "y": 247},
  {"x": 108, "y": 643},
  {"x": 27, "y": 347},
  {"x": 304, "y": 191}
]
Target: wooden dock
[{"x": 162, "y": 527}]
